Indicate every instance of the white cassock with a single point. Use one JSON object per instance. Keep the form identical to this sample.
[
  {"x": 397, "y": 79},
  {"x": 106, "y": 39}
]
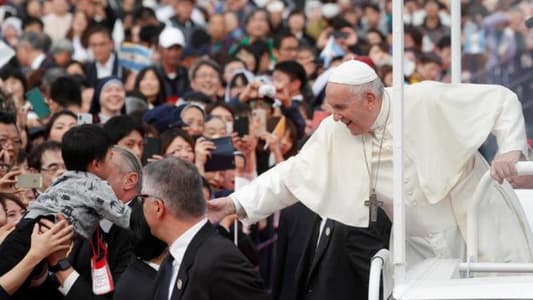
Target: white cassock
[{"x": 445, "y": 124}]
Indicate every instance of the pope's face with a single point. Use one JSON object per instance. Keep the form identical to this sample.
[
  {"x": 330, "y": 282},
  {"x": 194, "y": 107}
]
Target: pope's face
[{"x": 355, "y": 111}]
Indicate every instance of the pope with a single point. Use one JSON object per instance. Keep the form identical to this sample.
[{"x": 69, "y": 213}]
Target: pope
[{"x": 345, "y": 170}]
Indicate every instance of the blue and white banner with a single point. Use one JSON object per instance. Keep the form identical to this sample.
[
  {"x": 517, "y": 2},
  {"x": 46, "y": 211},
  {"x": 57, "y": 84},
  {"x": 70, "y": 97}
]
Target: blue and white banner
[
  {"x": 134, "y": 57},
  {"x": 330, "y": 51}
]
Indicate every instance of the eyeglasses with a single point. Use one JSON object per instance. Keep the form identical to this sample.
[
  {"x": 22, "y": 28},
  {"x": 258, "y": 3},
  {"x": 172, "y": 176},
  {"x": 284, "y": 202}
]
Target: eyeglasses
[
  {"x": 16, "y": 143},
  {"x": 53, "y": 168},
  {"x": 142, "y": 197}
]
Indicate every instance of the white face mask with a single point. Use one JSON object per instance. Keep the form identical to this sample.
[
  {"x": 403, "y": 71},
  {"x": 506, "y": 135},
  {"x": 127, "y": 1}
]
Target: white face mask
[
  {"x": 408, "y": 67},
  {"x": 261, "y": 3}
]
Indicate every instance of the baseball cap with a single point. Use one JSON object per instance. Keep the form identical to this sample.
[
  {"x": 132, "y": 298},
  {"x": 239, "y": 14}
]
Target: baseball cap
[{"x": 171, "y": 36}]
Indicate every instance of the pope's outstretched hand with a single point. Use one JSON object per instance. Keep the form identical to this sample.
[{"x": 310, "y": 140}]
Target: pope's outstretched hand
[{"x": 218, "y": 208}]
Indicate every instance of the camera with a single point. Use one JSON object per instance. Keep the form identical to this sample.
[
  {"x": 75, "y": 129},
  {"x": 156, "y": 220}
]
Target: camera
[
  {"x": 267, "y": 90},
  {"x": 339, "y": 35}
]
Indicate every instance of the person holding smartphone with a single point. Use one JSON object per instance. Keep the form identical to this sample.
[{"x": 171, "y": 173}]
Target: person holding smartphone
[
  {"x": 10, "y": 142},
  {"x": 288, "y": 82},
  {"x": 10, "y": 145}
]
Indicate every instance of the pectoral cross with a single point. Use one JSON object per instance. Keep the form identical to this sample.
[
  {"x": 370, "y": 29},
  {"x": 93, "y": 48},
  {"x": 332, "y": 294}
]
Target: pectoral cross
[{"x": 373, "y": 203}]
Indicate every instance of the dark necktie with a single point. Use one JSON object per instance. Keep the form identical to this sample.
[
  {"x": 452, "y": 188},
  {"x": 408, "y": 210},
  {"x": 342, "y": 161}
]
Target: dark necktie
[{"x": 165, "y": 273}]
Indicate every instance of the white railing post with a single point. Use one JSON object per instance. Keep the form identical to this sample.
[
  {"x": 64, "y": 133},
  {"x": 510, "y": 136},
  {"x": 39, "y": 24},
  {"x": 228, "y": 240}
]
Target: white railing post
[
  {"x": 455, "y": 9},
  {"x": 397, "y": 98}
]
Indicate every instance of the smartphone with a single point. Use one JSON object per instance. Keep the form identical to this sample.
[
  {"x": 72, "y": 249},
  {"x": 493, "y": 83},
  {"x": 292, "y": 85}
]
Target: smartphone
[
  {"x": 241, "y": 125},
  {"x": 151, "y": 146},
  {"x": 29, "y": 181},
  {"x": 36, "y": 98},
  {"x": 259, "y": 120},
  {"x": 222, "y": 157},
  {"x": 85, "y": 118},
  {"x": 339, "y": 35}
]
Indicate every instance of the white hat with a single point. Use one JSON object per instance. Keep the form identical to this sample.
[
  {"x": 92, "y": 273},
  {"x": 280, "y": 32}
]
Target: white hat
[
  {"x": 171, "y": 36},
  {"x": 352, "y": 72},
  {"x": 261, "y": 3},
  {"x": 275, "y": 6},
  {"x": 330, "y": 10},
  {"x": 13, "y": 22}
]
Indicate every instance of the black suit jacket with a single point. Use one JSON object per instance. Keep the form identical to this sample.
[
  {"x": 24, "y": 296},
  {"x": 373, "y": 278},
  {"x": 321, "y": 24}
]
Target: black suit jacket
[
  {"x": 177, "y": 86},
  {"x": 295, "y": 226},
  {"x": 338, "y": 268},
  {"x": 137, "y": 282},
  {"x": 213, "y": 268},
  {"x": 92, "y": 73}
]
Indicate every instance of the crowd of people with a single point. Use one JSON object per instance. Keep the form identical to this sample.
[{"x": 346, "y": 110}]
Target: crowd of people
[{"x": 231, "y": 88}]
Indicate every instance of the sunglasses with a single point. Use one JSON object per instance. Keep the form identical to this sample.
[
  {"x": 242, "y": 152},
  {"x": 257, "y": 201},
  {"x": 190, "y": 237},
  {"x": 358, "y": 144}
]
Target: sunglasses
[{"x": 142, "y": 197}]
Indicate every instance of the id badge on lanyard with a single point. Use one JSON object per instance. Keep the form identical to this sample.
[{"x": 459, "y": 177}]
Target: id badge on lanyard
[{"x": 100, "y": 273}]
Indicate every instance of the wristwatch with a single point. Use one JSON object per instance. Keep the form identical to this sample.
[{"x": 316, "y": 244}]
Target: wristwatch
[{"x": 62, "y": 265}]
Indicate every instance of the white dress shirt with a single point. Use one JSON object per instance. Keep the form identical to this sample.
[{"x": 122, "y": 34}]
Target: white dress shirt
[
  {"x": 177, "y": 250},
  {"x": 36, "y": 63},
  {"x": 105, "y": 70}
]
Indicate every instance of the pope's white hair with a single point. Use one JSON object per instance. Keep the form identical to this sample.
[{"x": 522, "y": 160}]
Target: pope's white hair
[{"x": 375, "y": 86}]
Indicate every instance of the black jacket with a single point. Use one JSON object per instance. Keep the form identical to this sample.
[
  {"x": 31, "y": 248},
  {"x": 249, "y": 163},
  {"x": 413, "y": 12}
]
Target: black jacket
[
  {"x": 339, "y": 266},
  {"x": 137, "y": 282},
  {"x": 295, "y": 226},
  {"x": 178, "y": 86},
  {"x": 213, "y": 268},
  {"x": 92, "y": 73}
]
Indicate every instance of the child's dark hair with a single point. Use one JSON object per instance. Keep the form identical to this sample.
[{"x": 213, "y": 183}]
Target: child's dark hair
[{"x": 83, "y": 144}]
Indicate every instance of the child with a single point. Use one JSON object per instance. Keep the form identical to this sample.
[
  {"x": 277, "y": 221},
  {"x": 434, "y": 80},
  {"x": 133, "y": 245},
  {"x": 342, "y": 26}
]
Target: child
[{"x": 80, "y": 194}]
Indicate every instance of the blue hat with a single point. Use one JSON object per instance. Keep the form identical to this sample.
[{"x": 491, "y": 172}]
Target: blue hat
[{"x": 164, "y": 117}]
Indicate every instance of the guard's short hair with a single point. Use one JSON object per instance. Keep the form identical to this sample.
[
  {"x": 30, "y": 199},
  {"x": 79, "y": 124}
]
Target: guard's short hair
[{"x": 181, "y": 192}]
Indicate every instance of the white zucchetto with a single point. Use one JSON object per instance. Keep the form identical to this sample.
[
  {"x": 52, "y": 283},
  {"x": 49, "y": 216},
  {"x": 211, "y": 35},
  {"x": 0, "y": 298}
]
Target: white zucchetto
[{"x": 352, "y": 72}]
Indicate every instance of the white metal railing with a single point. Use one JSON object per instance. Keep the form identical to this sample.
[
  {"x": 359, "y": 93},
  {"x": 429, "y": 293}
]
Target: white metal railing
[
  {"x": 379, "y": 263},
  {"x": 471, "y": 265},
  {"x": 496, "y": 267},
  {"x": 398, "y": 227}
]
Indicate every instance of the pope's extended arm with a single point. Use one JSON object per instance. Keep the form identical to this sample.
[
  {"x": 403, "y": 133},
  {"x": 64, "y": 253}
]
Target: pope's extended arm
[
  {"x": 263, "y": 196},
  {"x": 509, "y": 129}
]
